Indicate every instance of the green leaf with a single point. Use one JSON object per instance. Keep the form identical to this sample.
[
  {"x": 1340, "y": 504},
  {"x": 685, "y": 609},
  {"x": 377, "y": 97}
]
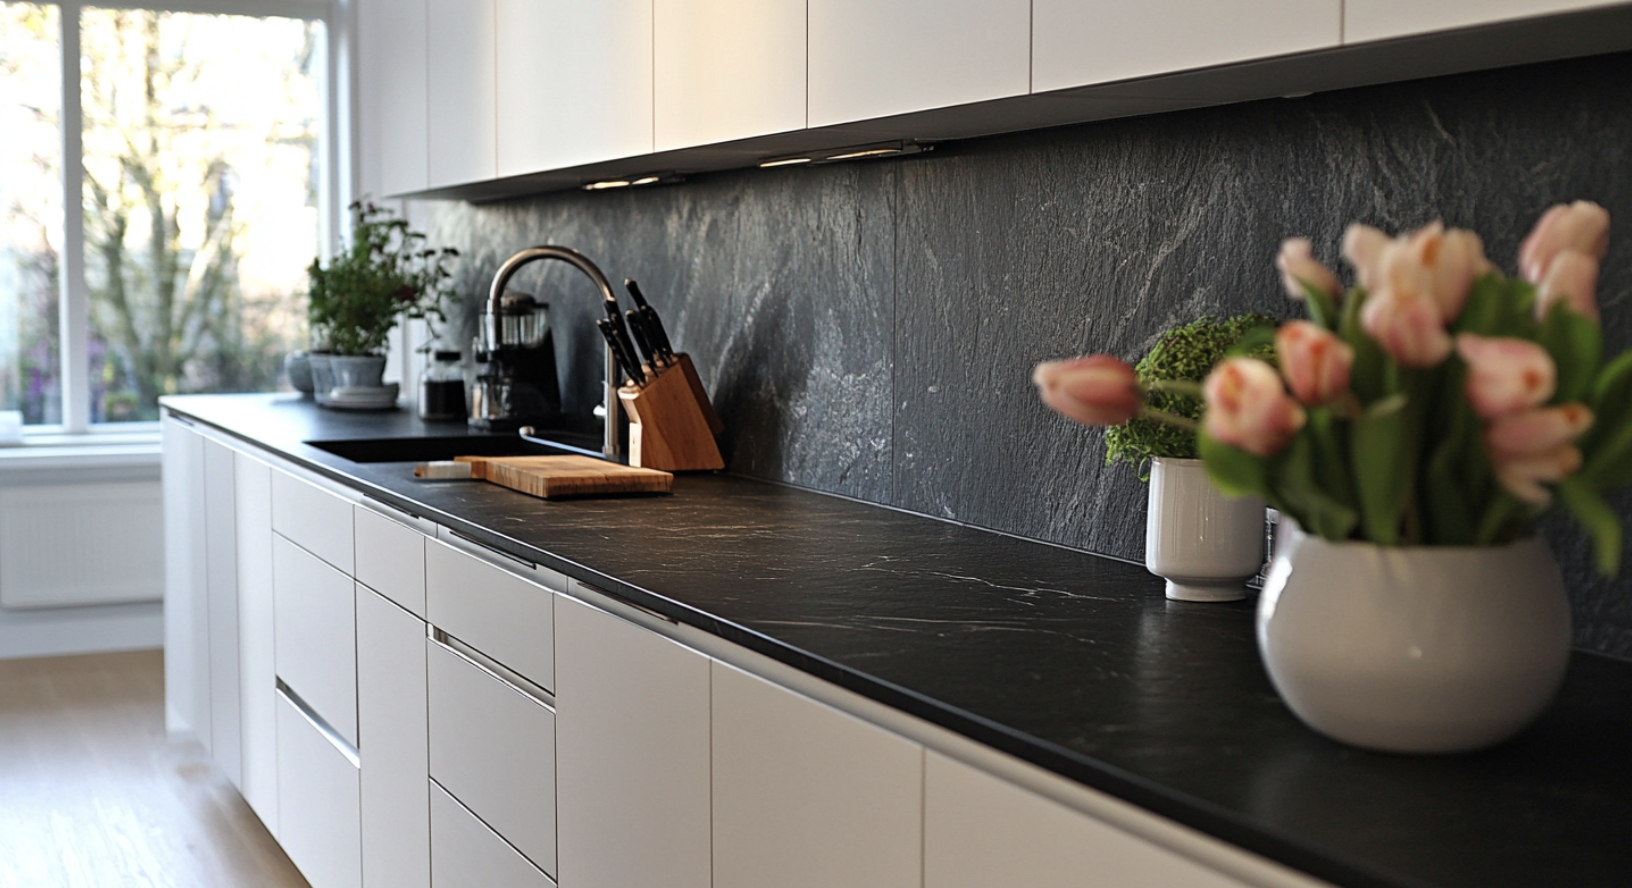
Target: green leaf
[
  {"x": 1368, "y": 376},
  {"x": 1322, "y": 310},
  {"x": 1233, "y": 470},
  {"x": 1445, "y": 499},
  {"x": 1381, "y": 452},
  {"x": 1610, "y": 462},
  {"x": 1576, "y": 344},
  {"x": 1486, "y": 308},
  {"x": 1297, "y": 483},
  {"x": 1254, "y": 343},
  {"x": 1601, "y": 522},
  {"x": 1503, "y": 516},
  {"x": 1611, "y": 402}
]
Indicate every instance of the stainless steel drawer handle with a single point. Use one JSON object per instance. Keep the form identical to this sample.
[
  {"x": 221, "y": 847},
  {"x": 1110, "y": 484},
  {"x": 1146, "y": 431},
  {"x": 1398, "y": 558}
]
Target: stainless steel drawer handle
[
  {"x": 317, "y": 722},
  {"x": 498, "y": 671}
]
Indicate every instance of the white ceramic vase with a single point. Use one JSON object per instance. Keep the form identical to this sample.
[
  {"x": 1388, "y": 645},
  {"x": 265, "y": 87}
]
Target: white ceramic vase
[
  {"x": 1203, "y": 543},
  {"x": 1428, "y": 649}
]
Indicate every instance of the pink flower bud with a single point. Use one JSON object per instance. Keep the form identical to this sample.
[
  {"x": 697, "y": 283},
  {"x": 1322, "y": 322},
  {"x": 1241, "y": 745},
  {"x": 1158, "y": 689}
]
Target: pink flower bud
[
  {"x": 1506, "y": 376},
  {"x": 1531, "y": 433},
  {"x": 1093, "y": 390},
  {"x": 1573, "y": 279},
  {"x": 1247, "y": 407},
  {"x": 1407, "y": 324},
  {"x": 1582, "y": 226},
  {"x": 1455, "y": 260},
  {"x": 1523, "y": 477},
  {"x": 1363, "y": 246},
  {"x": 1298, "y": 266},
  {"x": 1314, "y": 361}
]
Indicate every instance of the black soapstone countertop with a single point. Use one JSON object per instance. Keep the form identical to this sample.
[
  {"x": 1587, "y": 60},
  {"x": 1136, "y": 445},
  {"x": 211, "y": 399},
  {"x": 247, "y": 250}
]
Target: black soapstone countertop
[{"x": 1074, "y": 662}]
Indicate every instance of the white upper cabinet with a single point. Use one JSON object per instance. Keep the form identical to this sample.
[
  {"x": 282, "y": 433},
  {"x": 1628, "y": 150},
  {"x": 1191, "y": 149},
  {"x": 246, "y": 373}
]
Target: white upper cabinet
[
  {"x": 1365, "y": 20},
  {"x": 1083, "y": 42},
  {"x": 461, "y": 92},
  {"x": 392, "y": 45},
  {"x": 875, "y": 58},
  {"x": 727, "y": 70},
  {"x": 574, "y": 82}
]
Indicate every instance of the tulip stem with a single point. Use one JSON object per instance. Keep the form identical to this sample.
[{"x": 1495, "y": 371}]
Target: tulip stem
[
  {"x": 1175, "y": 387},
  {"x": 1172, "y": 419}
]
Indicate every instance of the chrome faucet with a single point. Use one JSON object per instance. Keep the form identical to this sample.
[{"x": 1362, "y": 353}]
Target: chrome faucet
[{"x": 578, "y": 260}]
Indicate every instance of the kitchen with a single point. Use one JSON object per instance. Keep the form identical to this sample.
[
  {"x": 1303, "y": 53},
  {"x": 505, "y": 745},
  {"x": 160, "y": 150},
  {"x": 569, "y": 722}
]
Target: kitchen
[{"x": 857, "y": 324}]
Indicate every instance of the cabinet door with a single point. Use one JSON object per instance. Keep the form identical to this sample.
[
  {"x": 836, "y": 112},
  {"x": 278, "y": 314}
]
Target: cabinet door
[
  {"x": 186, "y": 605},
  {"x": 461, "y": 92},
  {"x": 874, "y": 58},
  {"x": 727, "y": 70},
  {"x": 391, "y": 559},
  {"x": 392, "y": 81},
  {"x": 574, "y": 82},
  {"x": 318, "y": 800},
  {"x": 981, "y": 831},
  {"x": 1081, "y": 42},
  {"x": 808, "y": 797},
  {"x": 632, "y": 755},
  {"x": 221, "y": 580},
  {"x": 257, "y": 671},
  {"x": 466, "y": 852},
  {"x": 493, "y": 610},
  {"x": 314, "y": 518},
  {"x": 1365, "y": 20},
  {"x": 392, "y": 744},
  {"x": 315, "y": 635}
]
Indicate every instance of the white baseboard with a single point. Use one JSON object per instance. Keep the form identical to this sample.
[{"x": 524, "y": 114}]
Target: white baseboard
[{"x": 81, "y": 630}]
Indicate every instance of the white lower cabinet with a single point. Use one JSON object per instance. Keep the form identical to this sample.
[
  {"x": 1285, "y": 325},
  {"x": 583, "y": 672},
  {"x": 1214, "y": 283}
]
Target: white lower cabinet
[
  {"x": 632, "y": 755},
  {"x": 318, "y": 811},
  {"x": 221, "y": 582},
  {"x": 316, "y": 635},
  {"x": 257, "y": 669},
  {"x": 391, "y": 724},
  {"x": 466, "y": 853},
  {"x": 492, "y": 746},
  {"x": 806, "y": 796},
  {"x": 981, "y": 831}
]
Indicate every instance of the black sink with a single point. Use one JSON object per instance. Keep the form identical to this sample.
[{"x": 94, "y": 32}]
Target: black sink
[{"x": 380, "y": 450}]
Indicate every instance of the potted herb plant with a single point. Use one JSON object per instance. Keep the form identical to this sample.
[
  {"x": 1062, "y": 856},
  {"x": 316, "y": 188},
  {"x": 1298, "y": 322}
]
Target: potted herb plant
[
  {"x": 1415, "y": 429},
  {"x": 1206, "y": 545},
  {"x": 385, "y": 273}
]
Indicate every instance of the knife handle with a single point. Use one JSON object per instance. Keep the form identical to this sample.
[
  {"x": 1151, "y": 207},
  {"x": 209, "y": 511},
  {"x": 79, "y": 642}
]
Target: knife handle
[
  {"x": 620, "y": 350},
  {"x": 643, "y": 338}
]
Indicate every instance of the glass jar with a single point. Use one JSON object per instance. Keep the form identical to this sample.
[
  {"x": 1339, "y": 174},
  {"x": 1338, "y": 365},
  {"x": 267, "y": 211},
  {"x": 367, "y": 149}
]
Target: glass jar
[{"x": 442, "y": 388}]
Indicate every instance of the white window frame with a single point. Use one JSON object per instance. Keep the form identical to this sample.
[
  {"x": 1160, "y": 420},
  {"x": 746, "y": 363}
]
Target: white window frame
[{"x": 338, "y": 173}]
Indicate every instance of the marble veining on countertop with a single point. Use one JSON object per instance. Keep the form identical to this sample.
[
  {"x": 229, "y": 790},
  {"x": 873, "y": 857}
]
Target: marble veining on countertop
[{"x": 1074, "y": 662}]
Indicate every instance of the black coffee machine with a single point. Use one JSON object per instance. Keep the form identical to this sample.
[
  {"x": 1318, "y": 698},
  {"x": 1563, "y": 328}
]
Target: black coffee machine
[{"x": 519, "y": 386}]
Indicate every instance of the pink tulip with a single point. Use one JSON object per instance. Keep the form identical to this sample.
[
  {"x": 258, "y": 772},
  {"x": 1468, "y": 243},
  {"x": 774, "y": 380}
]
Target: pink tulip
[
  {"x": 1573, "y": 279},
  {"x": 1506, "y": 376},
  {"x": 1093, "y": 390},
  {"x": 1582, "y": 226},
  {"x": 1436, "y": 264},
  {"x": 1532, "y": 433},
  {"x": 1247, "y": 407},
  {"x": 1298, "y": 267},
  {"x": 1314, "y": 361},
  {"x": 1363, "y": 246},
  {"x": 1407, "y": 324},
  {"x": 1523, "y": 477}
]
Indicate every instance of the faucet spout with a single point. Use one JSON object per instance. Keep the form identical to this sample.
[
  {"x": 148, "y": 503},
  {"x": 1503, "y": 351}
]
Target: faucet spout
[{"x": 581, "y": 262}]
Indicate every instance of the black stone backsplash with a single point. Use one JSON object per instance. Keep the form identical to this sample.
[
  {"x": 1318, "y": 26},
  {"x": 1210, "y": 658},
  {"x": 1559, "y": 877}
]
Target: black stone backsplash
[{"x": 869, "y": 329}]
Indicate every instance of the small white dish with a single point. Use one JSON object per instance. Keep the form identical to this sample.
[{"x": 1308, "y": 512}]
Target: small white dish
[{"x": 363, "y": 397}]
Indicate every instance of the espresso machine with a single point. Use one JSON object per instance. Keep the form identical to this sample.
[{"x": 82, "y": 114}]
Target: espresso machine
[{"x": 518, "y": 386}]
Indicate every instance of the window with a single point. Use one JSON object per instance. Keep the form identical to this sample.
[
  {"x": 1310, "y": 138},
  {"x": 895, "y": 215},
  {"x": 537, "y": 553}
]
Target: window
[{"x": 194, "y": 144}]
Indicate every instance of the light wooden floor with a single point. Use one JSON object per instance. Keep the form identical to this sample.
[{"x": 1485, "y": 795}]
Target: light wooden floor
[{"x": 92, "y": 794}]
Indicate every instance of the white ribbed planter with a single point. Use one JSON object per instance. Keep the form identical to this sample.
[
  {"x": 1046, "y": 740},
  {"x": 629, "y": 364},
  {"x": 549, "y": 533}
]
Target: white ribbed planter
[
  {"x": 1203, "y": 543},
  {"x": 1414, "y": 649}
]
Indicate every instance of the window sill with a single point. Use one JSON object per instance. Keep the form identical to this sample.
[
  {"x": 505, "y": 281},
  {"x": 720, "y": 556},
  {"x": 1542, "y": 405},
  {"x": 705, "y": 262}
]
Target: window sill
[{"x": 134, "y": 449}]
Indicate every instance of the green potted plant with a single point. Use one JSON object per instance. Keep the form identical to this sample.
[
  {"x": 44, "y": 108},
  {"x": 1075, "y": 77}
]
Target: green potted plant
[
  {"x": 386, "y": 273},
  {"x": 1204, "y": 544}
]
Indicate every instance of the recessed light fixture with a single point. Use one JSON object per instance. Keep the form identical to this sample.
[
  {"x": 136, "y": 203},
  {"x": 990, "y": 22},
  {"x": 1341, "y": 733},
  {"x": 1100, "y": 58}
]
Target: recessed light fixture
[
  {"x": 783, "y": 161},
  {"x": 864, "y": 152},
  {"x": 666, "y": 178},
  {"x": 647, "y": 180},
  {"x": 852, "y": 152},
  {"x": 605, "y": 184}
]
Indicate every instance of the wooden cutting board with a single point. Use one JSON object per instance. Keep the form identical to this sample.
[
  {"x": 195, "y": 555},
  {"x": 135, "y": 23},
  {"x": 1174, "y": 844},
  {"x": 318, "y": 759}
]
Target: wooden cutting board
[{"x": 557, "y": 476}]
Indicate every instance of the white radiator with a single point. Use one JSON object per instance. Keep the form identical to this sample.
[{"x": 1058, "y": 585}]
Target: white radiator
[{"x": 64, "y": 545}]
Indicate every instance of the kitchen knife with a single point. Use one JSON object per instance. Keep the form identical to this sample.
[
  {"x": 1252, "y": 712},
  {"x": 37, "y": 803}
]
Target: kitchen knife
[
  {"x": 643, "y": 338},
  {"x": 654, "y": 324},
  {"x": 621, "y": 349}
]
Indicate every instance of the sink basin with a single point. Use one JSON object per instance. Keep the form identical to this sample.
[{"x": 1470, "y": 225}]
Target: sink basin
[{"x": 380, "y": 450}]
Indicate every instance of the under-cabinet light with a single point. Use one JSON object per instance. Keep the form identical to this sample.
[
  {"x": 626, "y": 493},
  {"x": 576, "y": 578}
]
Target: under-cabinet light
[
  {"x": 663, "y": 178},
  {"x": 605, "y": 184},
  {"x": 783, "y": 161}
]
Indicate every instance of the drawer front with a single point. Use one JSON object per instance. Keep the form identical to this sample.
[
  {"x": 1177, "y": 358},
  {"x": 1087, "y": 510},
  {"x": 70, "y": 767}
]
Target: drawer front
[
  {"x": 493, "y": 748},
  {"x": 317, "y": 519},
  {"x": 391, "y": 559},
  {"x": 315, "y": 634},
  {"x": 319, "y": 817},
  {"x": 465, "y": 853},
  {"x": 492, "y": 610}
]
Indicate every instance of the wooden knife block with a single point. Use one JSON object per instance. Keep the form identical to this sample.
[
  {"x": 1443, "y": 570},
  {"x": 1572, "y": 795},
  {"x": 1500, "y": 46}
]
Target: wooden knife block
[{"x": 671, "y": 424}]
